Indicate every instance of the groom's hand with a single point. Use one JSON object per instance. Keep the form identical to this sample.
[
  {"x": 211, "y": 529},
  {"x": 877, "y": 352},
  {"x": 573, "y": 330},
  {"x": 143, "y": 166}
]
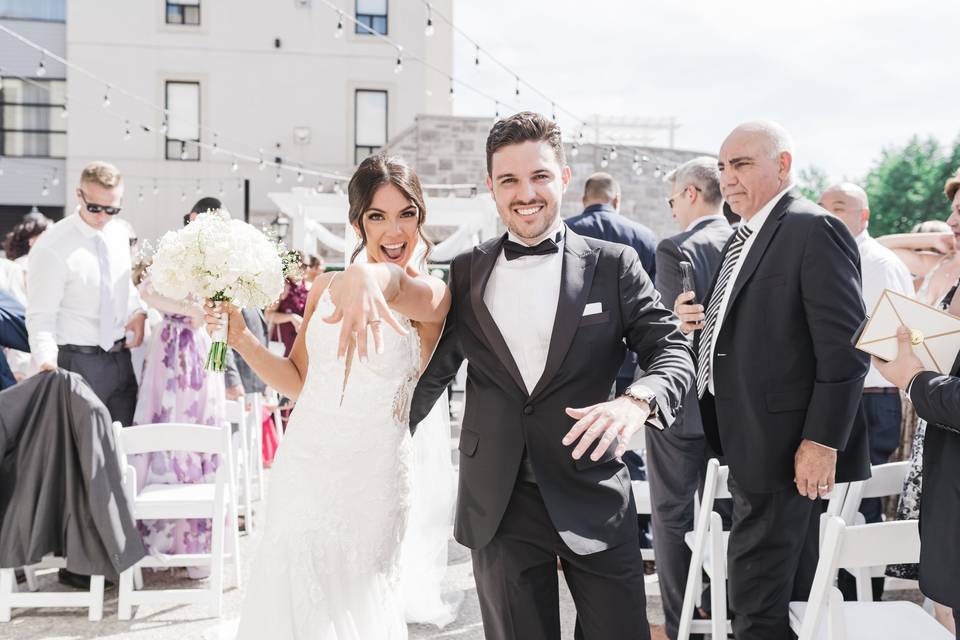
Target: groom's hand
[{"x": 614, "y": 420}]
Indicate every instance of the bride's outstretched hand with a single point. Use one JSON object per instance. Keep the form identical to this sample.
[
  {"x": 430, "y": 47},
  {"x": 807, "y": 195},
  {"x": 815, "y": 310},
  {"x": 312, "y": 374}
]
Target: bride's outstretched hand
[
  {"x": 615, "y": 420},
  {"x": 359, "y": 303},
  {"x": 216, "y": 313}
]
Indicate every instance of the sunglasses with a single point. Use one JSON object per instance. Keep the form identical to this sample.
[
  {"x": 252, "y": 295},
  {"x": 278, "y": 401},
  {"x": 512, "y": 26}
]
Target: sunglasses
[
  {"x": 672, "y": 198},
  {"x": 98, "y": 208}
]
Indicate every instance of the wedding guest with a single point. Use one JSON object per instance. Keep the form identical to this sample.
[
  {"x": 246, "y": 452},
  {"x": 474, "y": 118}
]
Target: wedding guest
[
  {"x": 930, "y": 253},
  {"x": 13, "y": 335},
  {"x": 601, "y": 219},
  {"x": 677, "y": 457},
  {"x": 13, "y": 281},
  {"x": 916, "y": 485},
  {"x": 286, "y": 316},
  {"x": 779, "y": 379},
  {"x": 81, "y": 300},
  {"x": 176, "y": 388},
  {"x": 313, "y": 266},
  {"x": 202, "y": 205}
]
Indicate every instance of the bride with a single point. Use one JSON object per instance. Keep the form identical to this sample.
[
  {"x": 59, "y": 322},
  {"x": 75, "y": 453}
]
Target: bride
[{"x": 328, "y": 564}]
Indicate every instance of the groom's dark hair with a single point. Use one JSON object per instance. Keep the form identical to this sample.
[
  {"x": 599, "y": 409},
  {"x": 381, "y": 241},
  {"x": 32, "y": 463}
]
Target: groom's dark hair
[{"x": 526, "y": 126}]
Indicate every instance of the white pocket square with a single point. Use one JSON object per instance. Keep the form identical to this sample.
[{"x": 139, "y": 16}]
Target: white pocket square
[{"x": 592, "y": 309}]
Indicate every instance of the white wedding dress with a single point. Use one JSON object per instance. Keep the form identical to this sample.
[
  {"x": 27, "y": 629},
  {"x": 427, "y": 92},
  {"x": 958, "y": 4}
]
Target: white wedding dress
[{"x": 328, "y": 565}]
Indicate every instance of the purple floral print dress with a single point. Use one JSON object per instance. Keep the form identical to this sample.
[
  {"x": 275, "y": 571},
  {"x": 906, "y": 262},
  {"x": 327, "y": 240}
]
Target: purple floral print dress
[{"x": 175, "y": 388}]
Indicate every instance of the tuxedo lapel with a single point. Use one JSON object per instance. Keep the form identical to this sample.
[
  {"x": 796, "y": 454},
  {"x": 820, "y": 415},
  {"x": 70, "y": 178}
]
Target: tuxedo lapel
[
  {"x": 579, "y": 264},
  {"x": 764, "y": 236},
  {"x": 484, "y": 260}
]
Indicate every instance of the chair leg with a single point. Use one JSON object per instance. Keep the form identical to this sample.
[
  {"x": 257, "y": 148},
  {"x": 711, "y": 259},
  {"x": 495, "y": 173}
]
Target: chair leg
[
  {"x": 257, "y": 454},
  {"x": 245, "y": 477},
  {"x": 138, "y": 577},
  {"x": 234, "y": 543},
  {"x": 125, "y": 595},
  {"x": 8, "y": 583},
  {"x": 96, "y": 599},
  {"x": 216, "y": 563},
  {"x": 718, "y": 581},
  {"x": 31, "y": 574}
]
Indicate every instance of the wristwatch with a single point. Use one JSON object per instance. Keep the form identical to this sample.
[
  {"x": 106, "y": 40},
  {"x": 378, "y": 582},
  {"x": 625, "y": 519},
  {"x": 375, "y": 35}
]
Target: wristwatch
[{"x": 641, "y": 393}]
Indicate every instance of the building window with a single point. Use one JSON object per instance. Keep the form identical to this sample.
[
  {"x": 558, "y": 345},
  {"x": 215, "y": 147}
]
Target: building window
[
  {"x": 373, "y": 14},
  {"x": 183, "y": 121},
  {"x": 369, "y": 122},
  {"x": 44, "y": 10},
  {"x": 183, "y": 12},
  {"x": 30, "y": 118}
]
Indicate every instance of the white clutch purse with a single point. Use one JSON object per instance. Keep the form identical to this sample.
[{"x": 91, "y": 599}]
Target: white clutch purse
[{"x": 935, "y": 334}]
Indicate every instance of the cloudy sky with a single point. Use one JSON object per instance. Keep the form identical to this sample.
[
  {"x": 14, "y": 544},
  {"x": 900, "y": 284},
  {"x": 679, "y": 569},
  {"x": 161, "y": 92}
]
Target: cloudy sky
[{"x": 846, "y": 77}]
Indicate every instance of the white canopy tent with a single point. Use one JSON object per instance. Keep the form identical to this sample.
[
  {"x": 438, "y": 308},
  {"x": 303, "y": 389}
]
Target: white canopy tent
[{"x": 475, "y": 219}]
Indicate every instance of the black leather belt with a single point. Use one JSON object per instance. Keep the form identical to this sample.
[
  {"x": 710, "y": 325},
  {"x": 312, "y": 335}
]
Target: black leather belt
[
  {"x": 118, "y": 346},
  {"x": 882, "y": 390}
]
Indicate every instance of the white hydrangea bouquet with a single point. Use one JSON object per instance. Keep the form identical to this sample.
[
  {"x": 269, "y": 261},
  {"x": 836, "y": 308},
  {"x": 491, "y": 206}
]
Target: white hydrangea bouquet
[{"x": 224, "y": 260}]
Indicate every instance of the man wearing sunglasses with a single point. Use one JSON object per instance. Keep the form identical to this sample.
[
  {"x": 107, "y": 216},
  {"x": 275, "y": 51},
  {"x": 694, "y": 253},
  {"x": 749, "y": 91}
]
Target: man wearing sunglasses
[{"x": 82, "y": 302}]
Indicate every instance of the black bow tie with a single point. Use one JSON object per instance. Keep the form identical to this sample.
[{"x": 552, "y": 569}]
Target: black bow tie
[{"x": 513, "y": 250}]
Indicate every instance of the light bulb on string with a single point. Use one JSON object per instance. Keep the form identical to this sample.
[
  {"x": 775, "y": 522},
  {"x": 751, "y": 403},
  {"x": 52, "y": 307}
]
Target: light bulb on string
[
  {"x": 319, "y": 187},
  {"x": 279, "y": 178},
  {"x": 44, "y": 190},
  {"x": 553, "y": 111},
  {"x": 399, "y": 66},
  {"x": 216, "y": 145},
  {"x": 476, "y": 59},
  {"x": 613, "y": 153},
  {"x": 164, "y": 125},
  {"x": 574, "y": 150},
  {"x": 220, "y": 191},
  {"x": 516, "y": 91},
  {"x": 336, "y": 188},
  {"x": 198, "y": 189},
  {"x": 604, "y": 162},
  {"x": 183, "y": 195},
  {"x": 183, "y": 151},
  {"x": 140, "y": 195},
  {"x": 338, "y": 32},
  {"x": 450, "y": 96},
  {"x": 644, "y": 159},
  {"x": 63, "y": 111},
  {"x": 261, "y": 165},
  {"x": 55, "y": 181},
  {"x": 429, "y": 29},
  {"x": 235, "y": 166},
  {"x": 496, "y": 113},
  {"x": 106, "y": 97},
  {"x": 657, "y": 173},
  {"x": 126, "y": 132},
  {"x": 41, "y": 68},
  {"x": 156, "y": 188},
  {"x": 300, "y": 174}
]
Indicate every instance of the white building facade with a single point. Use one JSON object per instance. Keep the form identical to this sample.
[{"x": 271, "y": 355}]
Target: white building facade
[{"x": 278, "y": 76}]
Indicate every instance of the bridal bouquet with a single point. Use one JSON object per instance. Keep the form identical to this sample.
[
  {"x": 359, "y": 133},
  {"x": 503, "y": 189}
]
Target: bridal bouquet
[{"x": 216, "y": 258}]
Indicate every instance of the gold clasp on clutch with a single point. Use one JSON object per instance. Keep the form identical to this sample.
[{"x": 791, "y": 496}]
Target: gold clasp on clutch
[{"x": 916, "y": 337}]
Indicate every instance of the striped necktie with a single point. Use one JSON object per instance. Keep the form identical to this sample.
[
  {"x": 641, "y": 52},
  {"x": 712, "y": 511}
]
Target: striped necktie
[{"x": 730, "y": 260}]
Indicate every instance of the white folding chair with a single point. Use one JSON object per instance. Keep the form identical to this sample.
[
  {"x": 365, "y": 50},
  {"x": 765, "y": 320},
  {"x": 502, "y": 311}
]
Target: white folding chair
[
  {"x": 708, "y": 541},
  {"x": 274, "y": 398},
  {"x": 708, "y": 546},
  {"x": 255, "y": 425},
  {"x": 216, "y": 501},
  {"x": 827, "y": 616},
  {"x": 885, "y": 480},
  {"x": 10, "y": 598},
  {"x": 237, "y": 414},
  {"x": 641, "y": 496}
]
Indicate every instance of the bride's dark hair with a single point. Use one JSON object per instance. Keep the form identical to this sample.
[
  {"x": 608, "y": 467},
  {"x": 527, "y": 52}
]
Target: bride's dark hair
[{"x": 374, "y": 172}]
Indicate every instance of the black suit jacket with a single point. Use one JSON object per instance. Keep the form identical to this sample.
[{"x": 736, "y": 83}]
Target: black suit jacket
[
  {"x": 589, "y": 502},
  {"x": 702, "y": 246},
  {"x": 602, "y": 222},
  {"x": 937, "y": 400},
  {"x": 784, "y": 366}
]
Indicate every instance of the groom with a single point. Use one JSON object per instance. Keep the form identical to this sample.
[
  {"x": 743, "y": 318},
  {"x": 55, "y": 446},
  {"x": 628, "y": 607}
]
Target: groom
[{"x": 544, "y": 317}]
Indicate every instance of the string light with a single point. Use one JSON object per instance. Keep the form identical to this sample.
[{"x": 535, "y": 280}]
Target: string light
[
  {"x": 476, "y": 58},
  {"x": 604, "y": 162},
  {"x": 399, "y": 67},
  {"x": 44, "y": 190},
  {"x": 41, "y": 68},
  {"x": 199, "y": 189},
  {"x": 574, "y": 150},
  {"x": 126, "y": 132},
  {"x": 183, "y": 195},
  {"x": 164, "y": 125},
  {"x": 235, "y": 166},
  {"x": 55, "y": 181},
  {"x": 216, "y": 146},
  {"x": 429, "y": 30},
  {"x": 300, "y": 175},
  {"x": 184, "y": 155},
  {"x": 156, "y": 188},
  {"x": 220, "y": 191},
  {"x": 261, "y": 165},
  {"x": 140, "y": 195},
  {"x": 553, "y": 111},
  {"x": 106, "y": 97},
  {"x": 338, "y": 33},
  {"x": 497, "y": 112},
  {"x": 613, "y": 153},
  {"x": 279, "y": 178},
  {"x": 517, "y": 90},
  {"x": 63, "y": 112},
  {"x": 451, "y": 90}
]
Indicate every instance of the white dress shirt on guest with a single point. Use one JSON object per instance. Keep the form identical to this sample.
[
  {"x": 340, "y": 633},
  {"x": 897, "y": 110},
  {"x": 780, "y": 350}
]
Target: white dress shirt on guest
[
  {"x": 522, "y": 296},
  {"x": 880, "y": 269},
  {"x": 63, "y": 284}
]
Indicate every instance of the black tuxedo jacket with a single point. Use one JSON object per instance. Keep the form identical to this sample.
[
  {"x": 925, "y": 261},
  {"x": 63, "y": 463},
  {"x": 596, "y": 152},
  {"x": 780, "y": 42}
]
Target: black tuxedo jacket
[
  {"x": 937, "y": 400},
  {"x": 784, "y": 365},
  {"x": 590, "y": 503},
  {"x": 702, "y": 246}
]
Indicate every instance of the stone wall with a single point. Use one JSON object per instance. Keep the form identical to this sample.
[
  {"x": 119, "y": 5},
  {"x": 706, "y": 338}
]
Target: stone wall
[{"x": 452, "y": 150}]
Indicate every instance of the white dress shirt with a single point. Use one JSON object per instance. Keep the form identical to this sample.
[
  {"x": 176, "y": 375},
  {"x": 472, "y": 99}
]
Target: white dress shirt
[
  {"x": 755, "y": 224},
  {"x": 63, "y": 286},
  {"x": 880, "y": 269},
  {"x": 522, "y": 296}
]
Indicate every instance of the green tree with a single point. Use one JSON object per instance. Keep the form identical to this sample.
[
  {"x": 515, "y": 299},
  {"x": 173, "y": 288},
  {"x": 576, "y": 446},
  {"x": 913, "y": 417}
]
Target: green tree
[
  {"x": 812, "y": 181},
  {"x": 906, "y": 185}
]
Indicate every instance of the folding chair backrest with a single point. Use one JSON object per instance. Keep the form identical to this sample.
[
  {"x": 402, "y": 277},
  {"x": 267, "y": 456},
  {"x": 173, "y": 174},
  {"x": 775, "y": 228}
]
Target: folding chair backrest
[
  {"x": 235, "y": 411},
  {"x": 885, "y": 480},
  {"x": 170, "y": 436},
  {"x": 723, "y": 488},
  {"x": 850, "y": 547}
]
